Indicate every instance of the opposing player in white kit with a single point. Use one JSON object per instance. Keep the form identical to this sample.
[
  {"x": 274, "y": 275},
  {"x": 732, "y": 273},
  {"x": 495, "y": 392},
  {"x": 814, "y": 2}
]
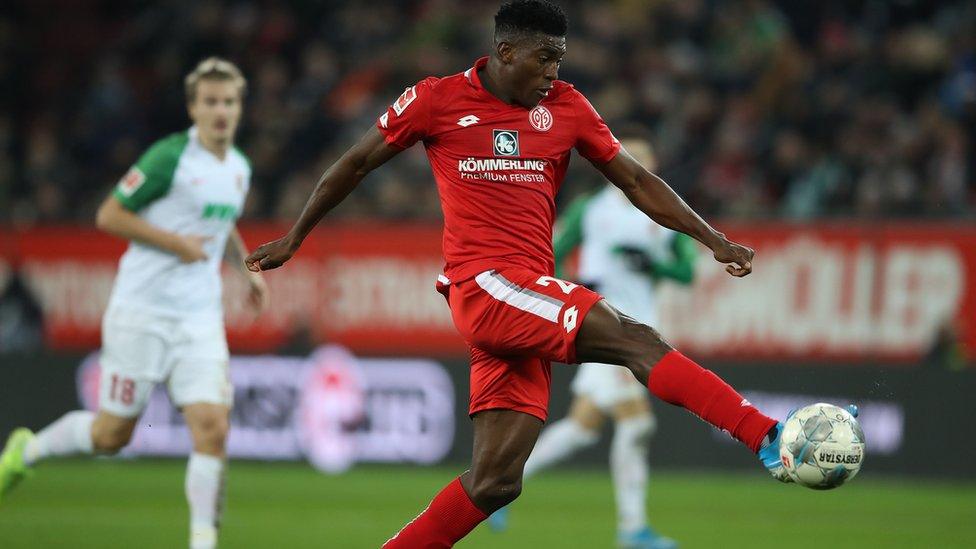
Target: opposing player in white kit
[
  {"x": 178, "y": 207},
  {"x": 623, "y": 254}
]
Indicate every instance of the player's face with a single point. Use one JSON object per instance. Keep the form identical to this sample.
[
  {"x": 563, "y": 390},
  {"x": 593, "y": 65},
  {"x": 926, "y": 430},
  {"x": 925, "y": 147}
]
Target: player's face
[
  {"x": 534, "y": 66},
  {"x": 216, "y": 110}
]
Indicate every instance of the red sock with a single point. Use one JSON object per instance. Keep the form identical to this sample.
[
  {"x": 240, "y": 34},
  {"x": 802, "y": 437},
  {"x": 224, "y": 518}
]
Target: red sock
[
  {"x": 676, "y": 379},
  {"x": 448, "y": 518}
]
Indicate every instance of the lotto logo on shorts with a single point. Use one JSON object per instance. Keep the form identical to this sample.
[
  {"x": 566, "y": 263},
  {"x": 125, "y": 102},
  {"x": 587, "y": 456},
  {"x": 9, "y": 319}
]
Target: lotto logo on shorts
[
  {"x": 505, "y": 142},
  {"x": 569, "y": 318}
]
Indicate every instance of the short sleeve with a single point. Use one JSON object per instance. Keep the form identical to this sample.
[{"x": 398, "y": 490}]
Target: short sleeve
[
  {"x": 594, "y": 141},
  {"x": 407, "y": 120},
  {"x": 152, "y": 175}
]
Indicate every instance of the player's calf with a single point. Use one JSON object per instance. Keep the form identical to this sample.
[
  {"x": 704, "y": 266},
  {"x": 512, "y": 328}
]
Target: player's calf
[
  {"x": 209, "y": 424},
  {"x": 610, "y": 336},
  {"x": 110, "y": 433},
  {"x": 503, "y": 440}
]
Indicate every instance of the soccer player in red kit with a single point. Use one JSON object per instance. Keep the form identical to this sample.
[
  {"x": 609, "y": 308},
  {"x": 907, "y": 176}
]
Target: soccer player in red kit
[{"x": 498, "y": 137}]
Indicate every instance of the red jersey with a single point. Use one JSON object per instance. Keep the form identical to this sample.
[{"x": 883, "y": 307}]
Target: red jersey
[{"x": 498, "y": 167}]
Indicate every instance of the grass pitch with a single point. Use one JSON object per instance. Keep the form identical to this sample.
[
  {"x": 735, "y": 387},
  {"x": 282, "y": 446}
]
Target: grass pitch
[{"x": 139, "y": 504}]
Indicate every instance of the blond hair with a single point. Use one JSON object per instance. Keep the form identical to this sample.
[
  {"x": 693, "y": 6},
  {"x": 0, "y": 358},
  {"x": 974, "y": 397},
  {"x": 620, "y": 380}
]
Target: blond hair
[{"x": 214, "y": 68}]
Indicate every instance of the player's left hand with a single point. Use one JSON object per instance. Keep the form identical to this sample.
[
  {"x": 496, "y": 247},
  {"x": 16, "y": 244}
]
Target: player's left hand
[
  {"x": 258, "y": 296},
  {"x": 737, "y": 257},
  {"x": 269, "y": 256}
]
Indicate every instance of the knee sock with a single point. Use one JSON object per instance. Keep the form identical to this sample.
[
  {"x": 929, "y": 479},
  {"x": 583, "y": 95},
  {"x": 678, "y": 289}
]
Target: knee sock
[
  {"x": 628, "y": 467},
  {"x": 69, "y": 435},
  {"x": 448, "y": 518},
  {"x": 678, "y": 380},
  {"x": 204, "y": 492},
  {"x": 557, "y": 442}
]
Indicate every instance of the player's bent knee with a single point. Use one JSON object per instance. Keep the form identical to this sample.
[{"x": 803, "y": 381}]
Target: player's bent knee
[
  {"x": 643, "y": 342},
  {"x": 636, "y": 429},
  {"x": 210, "y": 432},
  {"x": 612, "y": 337},
  {"x": 496, "y": 485},
  {"x": 643, "y": 347},
  {"x": 218, "y": 428},
  {"x": 496, "y": 493}
]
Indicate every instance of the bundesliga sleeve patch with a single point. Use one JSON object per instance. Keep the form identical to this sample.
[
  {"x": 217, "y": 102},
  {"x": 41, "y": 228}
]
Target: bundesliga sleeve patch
[
  {"x": 404, "y": 100},
  {"x": 131, "y": 181}
]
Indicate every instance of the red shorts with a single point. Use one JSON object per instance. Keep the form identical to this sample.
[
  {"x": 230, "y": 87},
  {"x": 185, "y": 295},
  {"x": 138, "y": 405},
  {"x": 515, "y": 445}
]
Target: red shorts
[{"x": 516, "y": 321}]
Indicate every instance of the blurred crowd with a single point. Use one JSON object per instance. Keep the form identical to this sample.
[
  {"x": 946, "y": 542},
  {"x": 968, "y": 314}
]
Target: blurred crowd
[{"x": 757, "y": 108}]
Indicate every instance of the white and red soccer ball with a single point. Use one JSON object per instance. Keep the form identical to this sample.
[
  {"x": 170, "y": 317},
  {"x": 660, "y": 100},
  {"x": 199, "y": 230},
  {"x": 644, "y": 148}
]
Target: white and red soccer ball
[{"x": 822, "y": 446}]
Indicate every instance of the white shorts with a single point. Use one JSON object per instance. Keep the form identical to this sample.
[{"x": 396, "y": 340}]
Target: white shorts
[
  {"x": 607, "y": 385},
  {"x": 140, "y": 350}
]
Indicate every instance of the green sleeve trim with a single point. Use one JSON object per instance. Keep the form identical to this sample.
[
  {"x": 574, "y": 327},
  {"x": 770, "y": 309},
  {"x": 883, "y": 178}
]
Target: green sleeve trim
[
  {"x": 681, "y": 268},
  {"x": 569, "y": 230},
  {"x": 152, "y": 175}
]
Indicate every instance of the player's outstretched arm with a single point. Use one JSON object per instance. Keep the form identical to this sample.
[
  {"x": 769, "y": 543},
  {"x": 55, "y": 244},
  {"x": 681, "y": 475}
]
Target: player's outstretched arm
[
  {"x": 651, "y": 195},
  {"x": 336, "y": 183}
]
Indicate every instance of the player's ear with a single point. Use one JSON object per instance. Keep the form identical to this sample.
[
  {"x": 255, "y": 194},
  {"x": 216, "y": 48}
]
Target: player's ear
[{"x": 505, "y": 51}]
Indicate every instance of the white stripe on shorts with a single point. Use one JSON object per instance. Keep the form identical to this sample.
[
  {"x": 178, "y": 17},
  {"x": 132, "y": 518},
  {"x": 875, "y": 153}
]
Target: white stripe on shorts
[{"x": 531, "y": 302}]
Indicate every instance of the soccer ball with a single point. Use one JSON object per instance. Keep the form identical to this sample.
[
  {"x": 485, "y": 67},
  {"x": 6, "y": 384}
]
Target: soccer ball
[{"x": 822, "y": 446}]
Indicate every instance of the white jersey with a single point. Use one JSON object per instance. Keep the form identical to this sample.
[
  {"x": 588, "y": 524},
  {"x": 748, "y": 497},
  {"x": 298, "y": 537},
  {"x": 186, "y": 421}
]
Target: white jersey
[
  {"x": 601, "y": 225},
  {"x": 180, "y": 187},
  {"x": 609, "y": 221}
]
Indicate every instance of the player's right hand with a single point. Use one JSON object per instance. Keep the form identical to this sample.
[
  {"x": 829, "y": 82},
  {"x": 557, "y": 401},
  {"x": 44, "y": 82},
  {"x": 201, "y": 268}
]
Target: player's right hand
[
  {"x": 737, "y": 257},
  {"x": 269, "y": 256},
  {"x": 191, "y": 248}
]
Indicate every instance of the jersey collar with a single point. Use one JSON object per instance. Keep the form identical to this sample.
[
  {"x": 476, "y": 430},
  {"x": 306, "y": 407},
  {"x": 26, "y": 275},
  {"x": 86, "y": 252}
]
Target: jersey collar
[
  {"x": 194, "y": 134},
  {"x": 472, "y": 73},
  {"x": 472, "y": 76}
]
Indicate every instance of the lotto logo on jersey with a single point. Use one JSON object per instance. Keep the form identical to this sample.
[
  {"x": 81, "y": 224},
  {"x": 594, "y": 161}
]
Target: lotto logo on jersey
[
  {"x": 505, "y": 142},
  {"x": 131, "y": 181}
]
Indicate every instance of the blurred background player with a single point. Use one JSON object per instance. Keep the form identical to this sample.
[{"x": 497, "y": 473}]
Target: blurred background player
[
  {"x": 178, "y": 207},
  {"x": 623, "y": 255}
]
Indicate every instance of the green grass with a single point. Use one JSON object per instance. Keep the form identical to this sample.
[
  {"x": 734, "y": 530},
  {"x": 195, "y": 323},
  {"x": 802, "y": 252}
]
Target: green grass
[{"x": 114, "y": 503}]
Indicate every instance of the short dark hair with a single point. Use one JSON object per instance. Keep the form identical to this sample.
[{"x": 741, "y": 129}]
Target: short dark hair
[{"x": 530, "y": 16}]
